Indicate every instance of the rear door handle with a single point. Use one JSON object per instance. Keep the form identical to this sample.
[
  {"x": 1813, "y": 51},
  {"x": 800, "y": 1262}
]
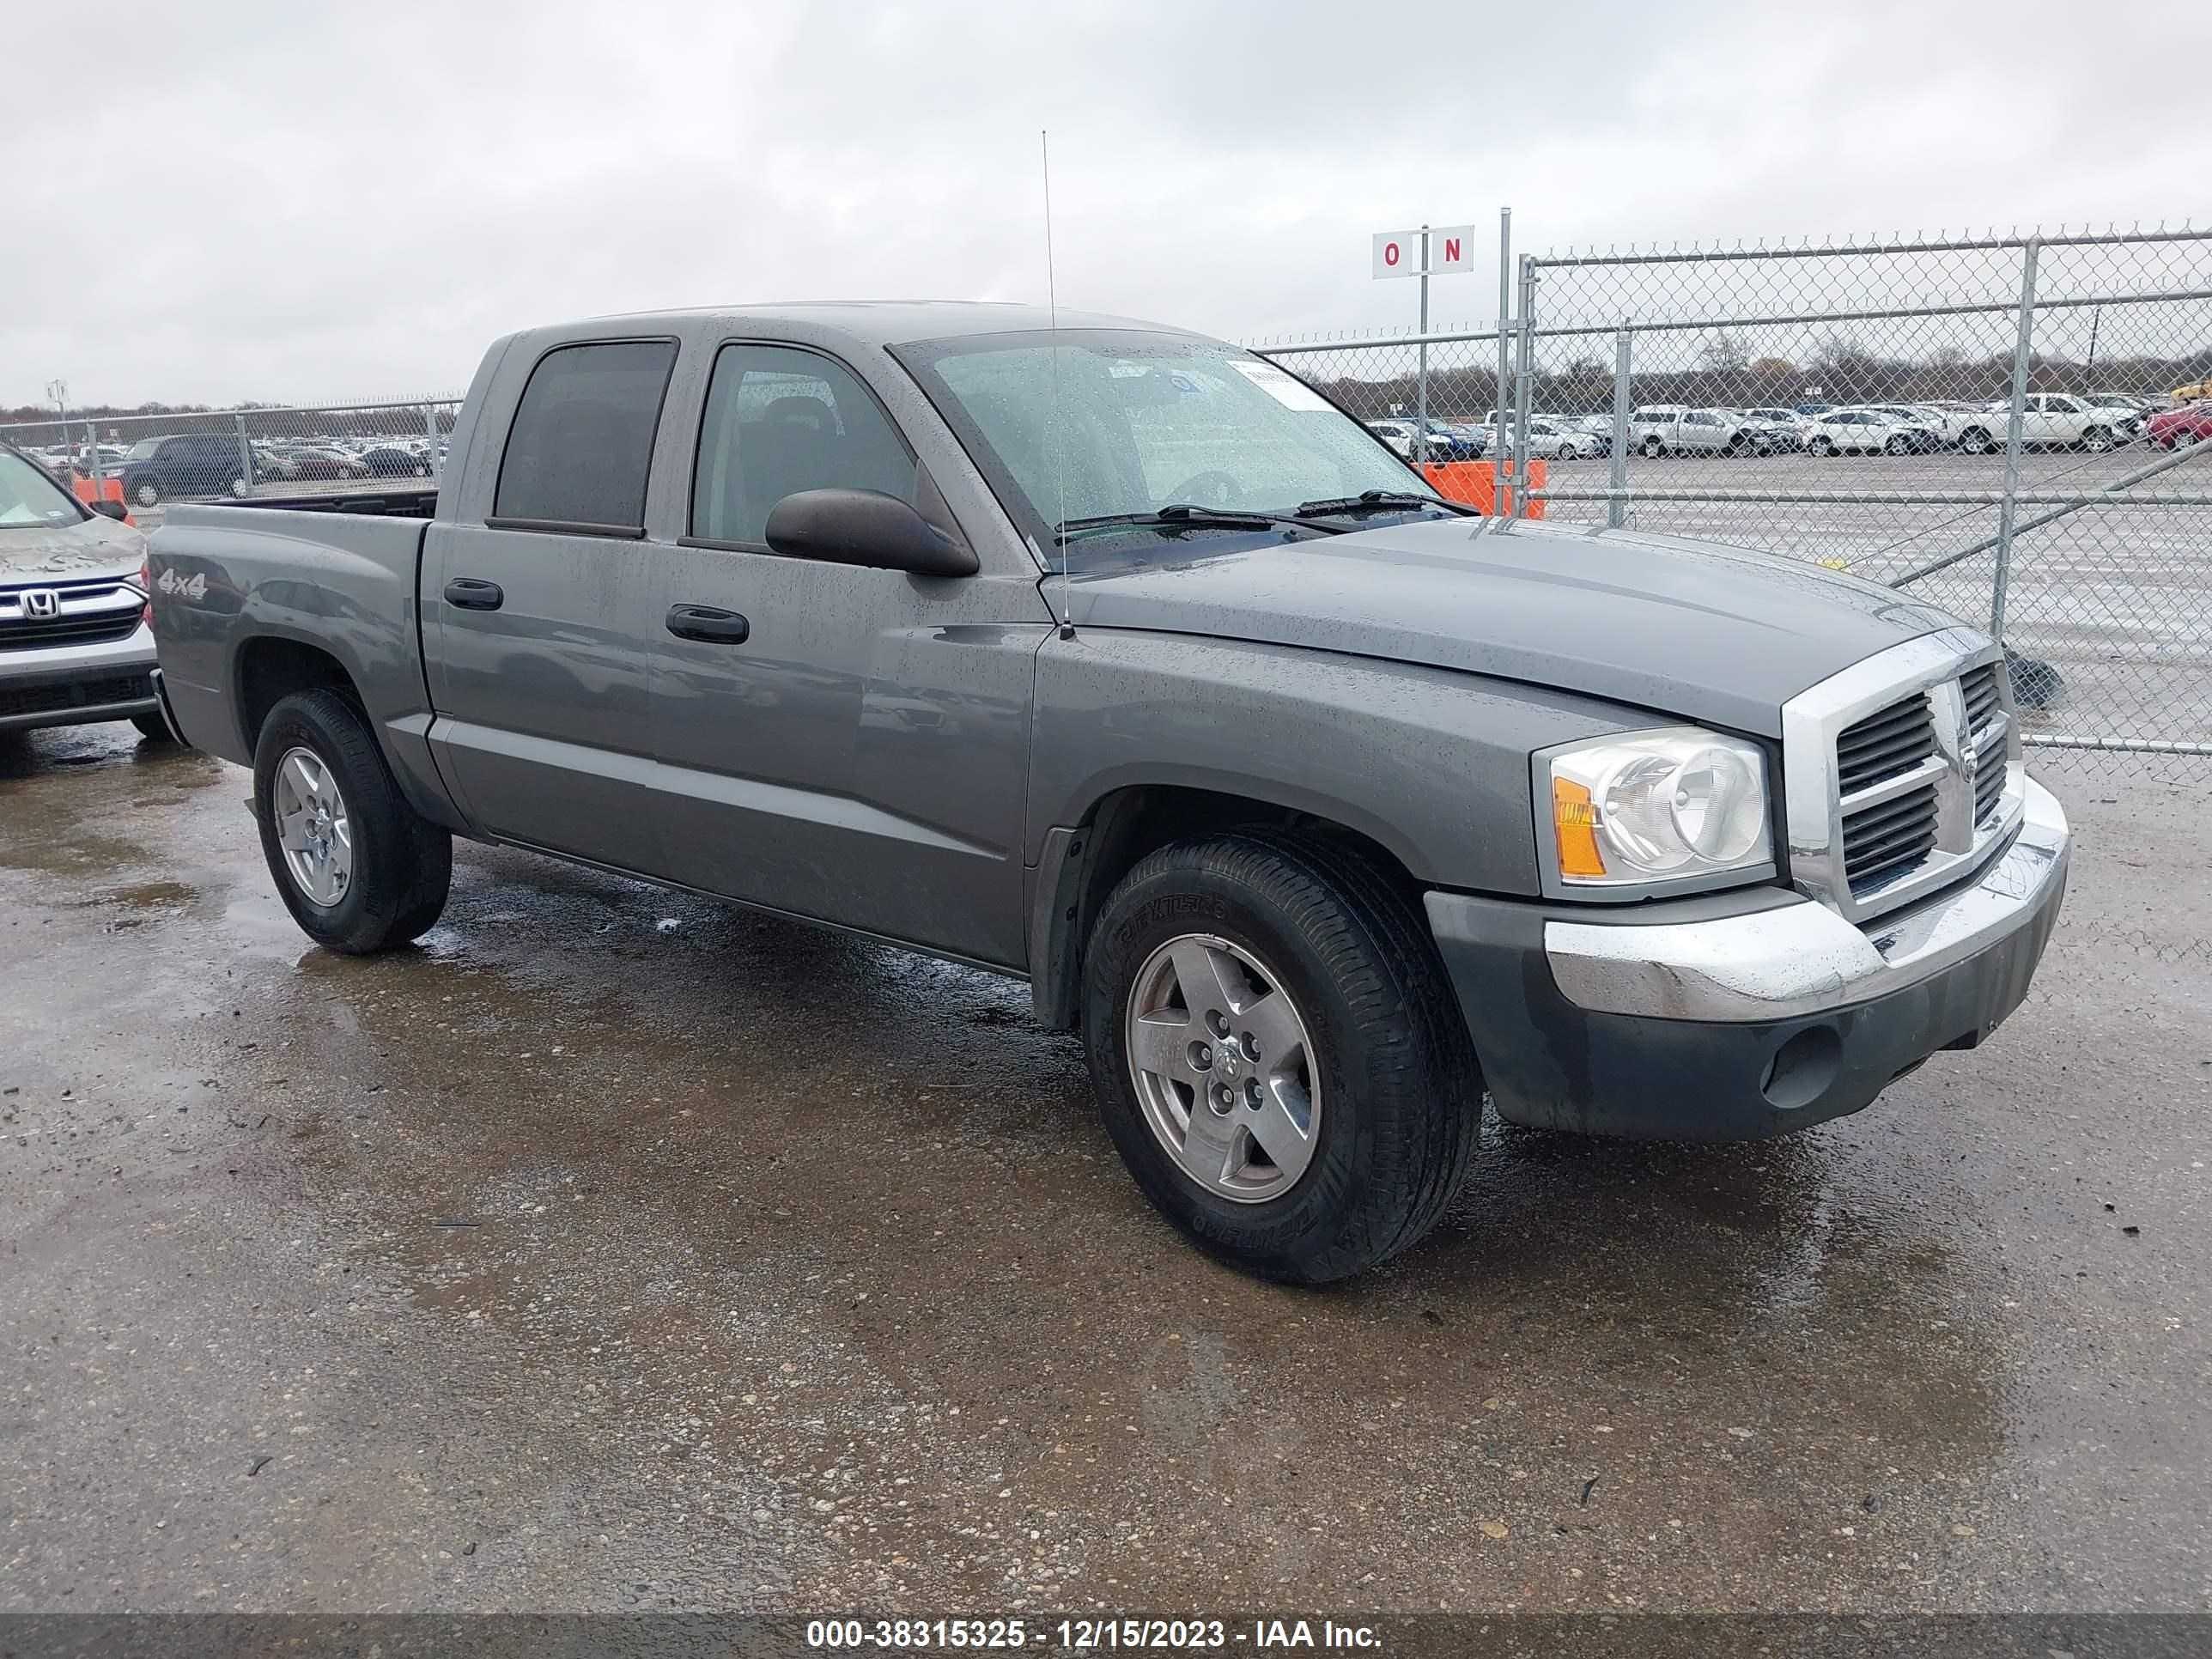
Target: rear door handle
[
  {"x": 709, "y": 624},
  {"x": 470, "y": 594}
]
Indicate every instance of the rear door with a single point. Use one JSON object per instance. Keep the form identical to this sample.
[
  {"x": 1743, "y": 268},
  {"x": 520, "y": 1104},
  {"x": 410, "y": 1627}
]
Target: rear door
[
  {"x": 535, "y": 599},
  {"x": 855, "y": 750}
]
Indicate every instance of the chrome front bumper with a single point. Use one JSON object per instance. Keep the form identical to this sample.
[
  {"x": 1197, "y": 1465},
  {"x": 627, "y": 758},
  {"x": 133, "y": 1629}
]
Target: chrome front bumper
[{"x": 1802, "y": 958}]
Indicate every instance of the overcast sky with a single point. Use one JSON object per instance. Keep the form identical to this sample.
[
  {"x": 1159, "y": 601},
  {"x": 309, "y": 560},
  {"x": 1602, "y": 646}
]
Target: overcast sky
[{"x": 231, "y": 200}]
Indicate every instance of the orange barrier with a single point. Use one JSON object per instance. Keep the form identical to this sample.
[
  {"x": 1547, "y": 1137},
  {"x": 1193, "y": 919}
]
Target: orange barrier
[
  {"x": 1479, "y": 484},
  {"x": 111, "y": 490}
]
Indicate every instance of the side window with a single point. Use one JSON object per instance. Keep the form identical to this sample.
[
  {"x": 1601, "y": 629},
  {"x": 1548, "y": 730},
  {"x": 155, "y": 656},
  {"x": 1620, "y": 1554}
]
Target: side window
[
  {"x": 780, "y": 420},
  {"x": 581, "y": 442}
]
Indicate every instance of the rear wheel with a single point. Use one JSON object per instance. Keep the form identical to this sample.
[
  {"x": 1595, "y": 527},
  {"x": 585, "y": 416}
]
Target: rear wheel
[
  {"x": 1900, "y": 444},
  {"x": 1275, "y": 1054},
  {"x": 1653, "y": 449},
  {"x": 2097, "y": 440},
  {"x": 1976, "y": 440},
  {"x": 146, "y": 493},
  {"x": 1822, "y": 445},
  {"x": 360, "y": 871}
]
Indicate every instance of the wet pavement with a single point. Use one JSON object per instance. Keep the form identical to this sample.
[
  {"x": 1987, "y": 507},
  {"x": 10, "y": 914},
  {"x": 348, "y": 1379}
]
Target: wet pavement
[{"x": 617, "y": 1249}]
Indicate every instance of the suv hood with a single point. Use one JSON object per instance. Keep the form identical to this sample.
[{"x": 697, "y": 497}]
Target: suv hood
[
  {"x": 97, "y": 547},
  {"x": 1689, "y": 629}
]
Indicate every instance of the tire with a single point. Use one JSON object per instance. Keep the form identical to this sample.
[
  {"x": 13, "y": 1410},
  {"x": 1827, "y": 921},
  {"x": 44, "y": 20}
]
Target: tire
[
  {"x": 1396, "y": 1114},
  {"x": 1822, "y": 445},
  {"x": 1737, "y": 448},
  {"x": 2097, "y": 440},
  {"x": 146, "y": 493},
  {"x": 1975, "y": 441},
  {"x": 1900, "y": 444},
  {"x": 400, "y": 866},
  {"x": 153, "y": 727},
  {"x": 1568, "y": 452},
  {"x": 1653, "y": 449}
]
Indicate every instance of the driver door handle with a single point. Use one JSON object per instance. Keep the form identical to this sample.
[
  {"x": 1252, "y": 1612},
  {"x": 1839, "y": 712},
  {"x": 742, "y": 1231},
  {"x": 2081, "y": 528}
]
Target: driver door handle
[
  {"x": 709, "y": 623},
  {"x": 468, "y": 593}
]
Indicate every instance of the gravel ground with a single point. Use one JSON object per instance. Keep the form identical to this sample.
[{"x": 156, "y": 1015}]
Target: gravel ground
[{"x": 618, "y": 1250}]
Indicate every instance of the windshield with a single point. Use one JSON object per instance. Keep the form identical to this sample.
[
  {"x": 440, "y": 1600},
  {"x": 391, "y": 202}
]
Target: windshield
[
  {"x": 1151, "y": 421},
  {"x": 29, "y": 498}
]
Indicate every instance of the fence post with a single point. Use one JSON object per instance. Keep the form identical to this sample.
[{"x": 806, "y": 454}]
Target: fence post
[
  {"x": 92, "y": 461},
  {"x": 2008, "y": 509},
  {"x": 1421, "y": 381},
  {"x": 1616, "y": 505},
  {"x": 430, "y": 429},
  {"x": 1504, "y": 340},
  {"x": 1523, "y": 374},
  {"x": 244, "y": 452}
]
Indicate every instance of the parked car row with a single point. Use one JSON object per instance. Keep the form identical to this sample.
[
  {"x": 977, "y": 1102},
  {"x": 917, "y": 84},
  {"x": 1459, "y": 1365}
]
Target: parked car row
[
  {"x": 2093, "y": 423},
  {"x": 208, "y": 464}
]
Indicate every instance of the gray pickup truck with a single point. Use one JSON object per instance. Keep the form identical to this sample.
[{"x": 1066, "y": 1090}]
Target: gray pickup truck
[{"x": 1116, "y": 658}]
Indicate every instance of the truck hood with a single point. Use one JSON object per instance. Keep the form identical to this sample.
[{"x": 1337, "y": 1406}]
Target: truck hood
[
  {"x": 98, "y": 547},
  {"x": 1689, "y": 629}
]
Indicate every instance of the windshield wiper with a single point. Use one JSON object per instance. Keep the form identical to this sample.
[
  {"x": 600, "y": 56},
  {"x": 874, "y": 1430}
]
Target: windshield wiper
[
  {"x": 1180, "y": 515},
  {"x": 1377, "y": 501}
]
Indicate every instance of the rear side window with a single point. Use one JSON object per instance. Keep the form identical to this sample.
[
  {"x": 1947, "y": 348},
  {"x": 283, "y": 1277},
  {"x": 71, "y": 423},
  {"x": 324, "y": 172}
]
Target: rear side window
[
  {"x": 581, "y": 443},
  {"x": 780, "y": 420}
]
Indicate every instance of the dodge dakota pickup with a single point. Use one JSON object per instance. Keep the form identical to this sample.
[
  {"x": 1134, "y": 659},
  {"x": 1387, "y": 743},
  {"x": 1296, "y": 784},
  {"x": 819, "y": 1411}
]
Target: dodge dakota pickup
[{"x": 1118, "y": 659}]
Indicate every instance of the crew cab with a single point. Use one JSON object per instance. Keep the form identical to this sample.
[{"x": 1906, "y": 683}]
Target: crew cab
[
  {"x": 1116, "y": 658},
  {"x": 75, "y": 646}
]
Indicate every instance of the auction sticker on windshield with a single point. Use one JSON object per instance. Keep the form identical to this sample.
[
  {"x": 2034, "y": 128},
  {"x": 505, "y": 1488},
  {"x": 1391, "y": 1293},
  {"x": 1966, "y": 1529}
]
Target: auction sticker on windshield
[{"x": 1284, "y": 388}]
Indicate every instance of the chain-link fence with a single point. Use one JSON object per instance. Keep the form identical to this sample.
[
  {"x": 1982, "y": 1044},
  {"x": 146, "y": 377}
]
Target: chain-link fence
[
  {"x": 2006, "y": 426},
  {"x": 149, "y": 460}
]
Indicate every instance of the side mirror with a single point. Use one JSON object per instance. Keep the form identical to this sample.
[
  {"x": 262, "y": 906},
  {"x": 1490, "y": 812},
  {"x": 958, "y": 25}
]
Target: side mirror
[
  {"x": 865, "y": 527},
  {"x": 114, "y": 510}
]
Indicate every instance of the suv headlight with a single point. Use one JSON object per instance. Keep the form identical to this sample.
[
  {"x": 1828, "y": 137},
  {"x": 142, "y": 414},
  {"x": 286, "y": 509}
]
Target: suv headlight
[{"x": 1675, "y": 805}]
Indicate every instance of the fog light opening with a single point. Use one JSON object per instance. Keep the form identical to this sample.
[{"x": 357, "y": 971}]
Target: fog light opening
[{"x": 1802, "y": 1067}]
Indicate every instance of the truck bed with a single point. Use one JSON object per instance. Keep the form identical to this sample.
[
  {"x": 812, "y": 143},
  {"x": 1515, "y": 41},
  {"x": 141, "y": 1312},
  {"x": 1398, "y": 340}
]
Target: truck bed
[{"x": 369, "y": 504}]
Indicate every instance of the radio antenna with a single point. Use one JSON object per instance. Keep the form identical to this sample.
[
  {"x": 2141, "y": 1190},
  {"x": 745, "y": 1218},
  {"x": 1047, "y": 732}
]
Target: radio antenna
[{"x": 1059, "y": 426}]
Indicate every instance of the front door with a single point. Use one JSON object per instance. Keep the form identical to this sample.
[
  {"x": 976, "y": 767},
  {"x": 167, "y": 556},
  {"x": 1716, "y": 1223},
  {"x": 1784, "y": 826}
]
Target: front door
[
  {"x": 839, "y": 741},
  {"x": 537, "y": 621}
]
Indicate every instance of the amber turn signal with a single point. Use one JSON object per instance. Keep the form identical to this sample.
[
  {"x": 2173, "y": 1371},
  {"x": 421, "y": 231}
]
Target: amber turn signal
[{"x": 1574, "y": 826}]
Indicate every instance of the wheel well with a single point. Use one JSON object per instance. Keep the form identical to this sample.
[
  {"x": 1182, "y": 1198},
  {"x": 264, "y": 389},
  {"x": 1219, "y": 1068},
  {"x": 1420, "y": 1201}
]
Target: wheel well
[
  {"x": 1125, "y": 826},
  {"x": 270, "y": 669}
]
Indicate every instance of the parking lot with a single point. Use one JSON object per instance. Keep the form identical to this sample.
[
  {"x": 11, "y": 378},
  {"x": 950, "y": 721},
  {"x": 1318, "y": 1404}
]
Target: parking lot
[{"x": 617, "y": 1250}]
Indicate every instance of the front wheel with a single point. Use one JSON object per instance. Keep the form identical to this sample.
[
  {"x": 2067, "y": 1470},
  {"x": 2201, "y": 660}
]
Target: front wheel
[
  {"x": 1653, "y": 449},
  {"x": 1275, "y": 1055},
  {"x": 1823, "y": 446},
  {"x": 146, "y": 493},
  {"x": 1974, "y": 440},
  {"x": 357, "y": 866},
  {"x": 2097, "y": 440},
  {"x": 1900, "y": 444}
]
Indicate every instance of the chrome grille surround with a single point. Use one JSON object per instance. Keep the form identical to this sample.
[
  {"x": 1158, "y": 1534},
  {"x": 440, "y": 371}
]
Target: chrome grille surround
[
  {"x": 83, "y": 613},
  {"x": 1968, "y": 832}
]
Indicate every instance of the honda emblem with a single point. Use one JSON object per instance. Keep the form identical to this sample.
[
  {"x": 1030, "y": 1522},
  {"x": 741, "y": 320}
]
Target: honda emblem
[{"x": 41, "y": 603}]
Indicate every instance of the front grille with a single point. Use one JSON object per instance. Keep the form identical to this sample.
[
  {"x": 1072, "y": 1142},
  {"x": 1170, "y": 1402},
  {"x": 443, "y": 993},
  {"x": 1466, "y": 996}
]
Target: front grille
[
  {"x": 64, "y": 695},
  {"x": 1889, "y": 742},
  {"x": 97, "y": 627},
  {"x": 1979, "y": 686},
  {"x": 1897, "y": 769},
  {"x": 1882, "y": 841}
]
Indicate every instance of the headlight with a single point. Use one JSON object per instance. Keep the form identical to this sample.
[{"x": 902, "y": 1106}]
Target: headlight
[{"x": 1675, "y": 805}]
